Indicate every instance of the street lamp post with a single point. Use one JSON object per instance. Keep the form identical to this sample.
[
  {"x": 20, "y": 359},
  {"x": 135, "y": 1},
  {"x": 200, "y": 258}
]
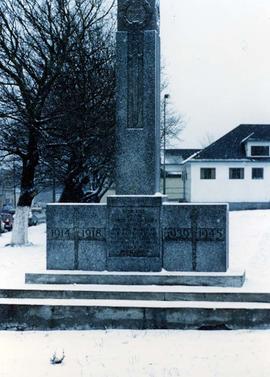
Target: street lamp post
[
  {"x": 166, "y": 97},
  {"x": 54, "y": 182}
]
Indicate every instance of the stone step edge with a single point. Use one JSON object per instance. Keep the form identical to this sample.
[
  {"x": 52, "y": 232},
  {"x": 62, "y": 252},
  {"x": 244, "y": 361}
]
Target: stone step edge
[
  {"x": 190, "y": 279},
  {"x": 229, "y": 272},
  {"x": 125, "y": 304},
  {"x": 133, "y": 288},
  {"x": 47, "y": 315},
  {"x": 68, "y": 293}
]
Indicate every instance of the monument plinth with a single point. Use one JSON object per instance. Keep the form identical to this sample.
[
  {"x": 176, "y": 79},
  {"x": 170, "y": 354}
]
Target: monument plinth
[{"x": 137, "y": 230}]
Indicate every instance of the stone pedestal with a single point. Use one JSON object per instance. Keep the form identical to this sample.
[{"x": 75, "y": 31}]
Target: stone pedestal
[{"x": 137, "y": 233}]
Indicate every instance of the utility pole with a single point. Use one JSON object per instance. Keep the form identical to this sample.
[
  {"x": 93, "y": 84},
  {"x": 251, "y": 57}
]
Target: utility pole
[{"x": 166, "y": 97}]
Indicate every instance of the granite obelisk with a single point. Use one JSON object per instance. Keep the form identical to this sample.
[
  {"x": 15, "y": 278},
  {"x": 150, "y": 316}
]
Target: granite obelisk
[{"x": 138, "y": 98}]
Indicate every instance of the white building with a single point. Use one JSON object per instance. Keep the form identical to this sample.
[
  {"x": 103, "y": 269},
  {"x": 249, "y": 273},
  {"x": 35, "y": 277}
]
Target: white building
[
  {"x": 235, "y": 169},
  {"x": 175, "y": 182}
]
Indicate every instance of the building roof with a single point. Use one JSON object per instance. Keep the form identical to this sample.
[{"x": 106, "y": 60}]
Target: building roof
[
  {"x": 232, "y": 145},
  {"x": 176, "y": 156}
]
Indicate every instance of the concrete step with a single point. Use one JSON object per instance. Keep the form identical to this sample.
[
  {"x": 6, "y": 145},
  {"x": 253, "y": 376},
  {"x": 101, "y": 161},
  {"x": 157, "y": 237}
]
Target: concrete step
[
  {"x": 217, "y": 279},
  {"x": 147, "y": 293},
  {"x": 53, "y": 314}
]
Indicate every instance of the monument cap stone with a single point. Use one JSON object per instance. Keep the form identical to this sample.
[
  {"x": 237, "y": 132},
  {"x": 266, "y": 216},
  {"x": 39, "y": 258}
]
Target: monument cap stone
[{"x": 136, "y": 15}]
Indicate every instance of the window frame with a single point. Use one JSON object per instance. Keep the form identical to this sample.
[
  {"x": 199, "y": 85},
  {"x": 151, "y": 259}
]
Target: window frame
[
  {"x": 241, "y": 177},
  {"x": 211, "y": 177},
  {"x": 257, "y": 169},
  {"x": 260, "y": 154}
]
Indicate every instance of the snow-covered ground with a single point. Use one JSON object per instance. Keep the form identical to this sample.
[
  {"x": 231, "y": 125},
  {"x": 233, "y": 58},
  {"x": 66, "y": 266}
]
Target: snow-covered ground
[
  {"x": 142, "y": 353},
  {"x": 136, "y": 354}
]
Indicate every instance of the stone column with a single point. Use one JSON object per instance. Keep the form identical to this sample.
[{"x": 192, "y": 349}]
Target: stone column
[{"x": 138, "y": 98}]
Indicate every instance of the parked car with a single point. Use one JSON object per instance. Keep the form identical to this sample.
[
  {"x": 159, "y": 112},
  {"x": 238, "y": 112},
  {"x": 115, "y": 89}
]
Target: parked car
[
  {"x": 7, "y": 208},
  {"x": 8, "y": 219}
]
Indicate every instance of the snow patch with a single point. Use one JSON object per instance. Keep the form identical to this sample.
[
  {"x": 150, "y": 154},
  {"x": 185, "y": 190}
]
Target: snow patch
[{"x": 20, "y": 226}]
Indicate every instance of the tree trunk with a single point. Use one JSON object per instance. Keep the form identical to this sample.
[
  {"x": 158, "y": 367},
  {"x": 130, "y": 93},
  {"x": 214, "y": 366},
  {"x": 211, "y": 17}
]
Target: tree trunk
[
  {"x": 20, "y": 226},
  {"x": 95, "y": 198},
  {"x": 73, "y": 190},
  {"x": 72, "y": 193}
]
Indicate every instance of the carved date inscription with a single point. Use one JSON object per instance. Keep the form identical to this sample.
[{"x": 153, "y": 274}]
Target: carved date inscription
[
  {"x": 74, "y": 234},
  {"x": 187, "y": 234},
  {"x": 134, "y": 232}
]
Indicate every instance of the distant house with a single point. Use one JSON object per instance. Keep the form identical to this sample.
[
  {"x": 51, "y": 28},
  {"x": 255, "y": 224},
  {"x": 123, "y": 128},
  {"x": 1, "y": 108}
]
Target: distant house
[
  {"x": 175, "y": 180},
  {"x": 234, "y": 169}
]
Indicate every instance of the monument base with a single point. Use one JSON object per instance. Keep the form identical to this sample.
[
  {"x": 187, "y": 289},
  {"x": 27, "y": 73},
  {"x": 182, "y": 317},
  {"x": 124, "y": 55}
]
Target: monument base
[
  {"x": 137, "y": 233},
  {"x": 164, "y": 278}
]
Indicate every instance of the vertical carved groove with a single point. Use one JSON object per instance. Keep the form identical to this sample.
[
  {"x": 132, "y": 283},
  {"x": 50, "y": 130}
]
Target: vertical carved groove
[{"x": 135, "y": 79}]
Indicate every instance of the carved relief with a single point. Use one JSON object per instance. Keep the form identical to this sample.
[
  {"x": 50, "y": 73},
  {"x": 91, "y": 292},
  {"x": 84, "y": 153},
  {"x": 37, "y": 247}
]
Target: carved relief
[{"x": 137, "y": 13}]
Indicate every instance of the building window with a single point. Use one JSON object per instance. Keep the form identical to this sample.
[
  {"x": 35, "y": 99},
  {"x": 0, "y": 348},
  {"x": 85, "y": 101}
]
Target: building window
[
  {"x": 259, "y": 150},
  {"x": 257, "y": 173},
  {"x": 208, "y": 173},
  {"x": 236, "y": 173}
]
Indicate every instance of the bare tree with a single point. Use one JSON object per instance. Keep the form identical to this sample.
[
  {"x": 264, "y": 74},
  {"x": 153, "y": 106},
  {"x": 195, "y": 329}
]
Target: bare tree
[
  {"x": 81, "y": 149},
  {"x": 174, "y": 121},
  {"x": 81, "y": 152},
  {"x": 36, "y": 38}
]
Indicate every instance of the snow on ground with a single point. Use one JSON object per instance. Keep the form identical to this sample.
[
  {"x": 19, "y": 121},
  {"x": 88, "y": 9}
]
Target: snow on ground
[
  {"x": 250, "y": 246},
  {"x": 15, "y": 261},
  {"x": 142, "y": 353},
  {"x": 136, "y": 354}
]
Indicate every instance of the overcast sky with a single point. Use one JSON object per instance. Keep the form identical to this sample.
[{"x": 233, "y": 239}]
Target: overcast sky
[{"x": 217, "y": 57}]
